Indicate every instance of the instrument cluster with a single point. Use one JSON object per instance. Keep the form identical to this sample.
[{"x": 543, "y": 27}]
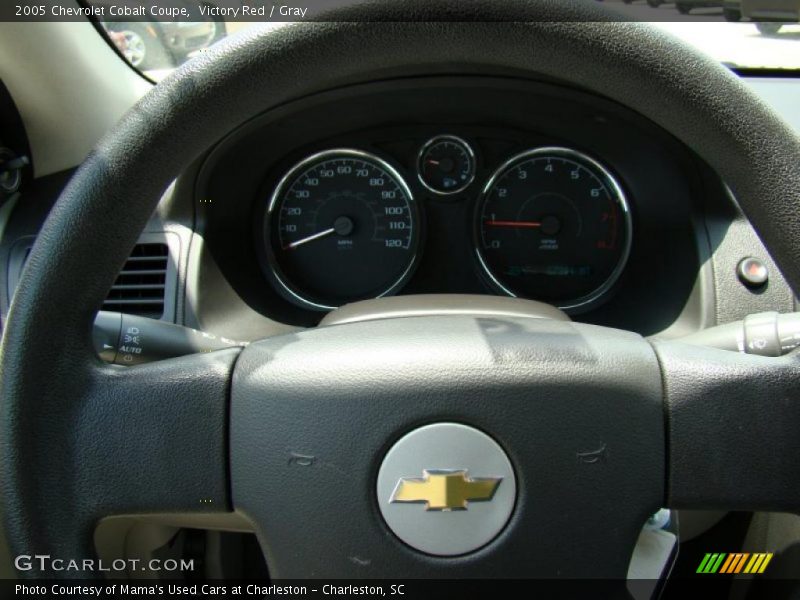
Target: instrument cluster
[
  {"x": 452, "y": 184},
  {"x": 549, "y": 223}
]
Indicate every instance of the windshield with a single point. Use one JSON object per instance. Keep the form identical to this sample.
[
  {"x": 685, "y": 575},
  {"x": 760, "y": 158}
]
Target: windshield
[
  {"x": 759, "y": 45},
  {"x": 743, "y": 34}
]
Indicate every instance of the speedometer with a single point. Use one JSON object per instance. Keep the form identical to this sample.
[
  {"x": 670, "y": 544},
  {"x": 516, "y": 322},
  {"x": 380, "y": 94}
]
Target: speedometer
[
  {"x": 553, "y": 225},
  {"x": 341, "y": 226}
]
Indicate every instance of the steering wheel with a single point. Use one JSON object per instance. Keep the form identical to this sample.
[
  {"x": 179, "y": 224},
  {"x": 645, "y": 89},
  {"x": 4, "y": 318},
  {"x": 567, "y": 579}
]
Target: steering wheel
[{"x": 599, "y": 426}]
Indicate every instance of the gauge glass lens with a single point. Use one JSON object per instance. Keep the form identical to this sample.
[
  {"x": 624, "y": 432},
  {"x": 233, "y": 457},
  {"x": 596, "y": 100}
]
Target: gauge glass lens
[
  {"x": 341, "y": 226},
  {"x": 446, "y": 164},
  {"x": 553, "y": 225}
]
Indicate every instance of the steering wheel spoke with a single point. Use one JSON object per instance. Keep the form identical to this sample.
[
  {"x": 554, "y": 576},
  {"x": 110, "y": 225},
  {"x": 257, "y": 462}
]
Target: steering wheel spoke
[
  {"x": 733, "y": 423},
  {"x": 158, "y": 434},
  {"x": 116, "y": 440}
]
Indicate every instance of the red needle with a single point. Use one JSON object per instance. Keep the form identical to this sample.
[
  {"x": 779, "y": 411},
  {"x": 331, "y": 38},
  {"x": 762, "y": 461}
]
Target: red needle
[{"x": 513, "y": 223}]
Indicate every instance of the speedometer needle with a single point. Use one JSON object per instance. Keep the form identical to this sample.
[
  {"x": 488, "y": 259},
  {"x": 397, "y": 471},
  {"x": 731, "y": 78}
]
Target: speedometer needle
[
  {"x": 514, "y": 223},
  {"x": 310, "y": 238}
]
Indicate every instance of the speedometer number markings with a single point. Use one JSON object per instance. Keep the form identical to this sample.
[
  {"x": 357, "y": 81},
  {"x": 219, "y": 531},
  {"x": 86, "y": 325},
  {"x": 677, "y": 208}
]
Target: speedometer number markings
[{"x": 340, "y": 227}]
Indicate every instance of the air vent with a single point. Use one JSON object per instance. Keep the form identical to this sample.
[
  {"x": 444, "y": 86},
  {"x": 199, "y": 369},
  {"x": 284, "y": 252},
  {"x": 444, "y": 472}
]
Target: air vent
[{"x": 139, "y": 288}]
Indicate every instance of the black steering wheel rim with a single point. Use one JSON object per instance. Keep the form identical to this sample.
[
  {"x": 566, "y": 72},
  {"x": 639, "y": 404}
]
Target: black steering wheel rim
[{"x": 48, "y": 425}]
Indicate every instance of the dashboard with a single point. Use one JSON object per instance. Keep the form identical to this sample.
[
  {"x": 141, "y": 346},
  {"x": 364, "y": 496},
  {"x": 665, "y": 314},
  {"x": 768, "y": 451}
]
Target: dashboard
[
  {"x": 446, "y": 184},
  {"x": 475, "y": 185}
]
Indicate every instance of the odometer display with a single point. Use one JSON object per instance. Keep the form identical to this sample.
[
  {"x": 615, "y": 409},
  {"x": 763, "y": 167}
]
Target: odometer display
[
  {"x": 553, "y": 225},
  {"x": 341, "y": 226}
]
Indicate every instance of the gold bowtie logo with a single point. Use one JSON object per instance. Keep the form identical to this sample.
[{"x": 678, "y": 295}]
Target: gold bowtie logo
[{"x": 445, "y": 490}]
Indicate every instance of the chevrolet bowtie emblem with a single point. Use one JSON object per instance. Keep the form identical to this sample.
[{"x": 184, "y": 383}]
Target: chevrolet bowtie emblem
[{"x": 445, "y": 490}]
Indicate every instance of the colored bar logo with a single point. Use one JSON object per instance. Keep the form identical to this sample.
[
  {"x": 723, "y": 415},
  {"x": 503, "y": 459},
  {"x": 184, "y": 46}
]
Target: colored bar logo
[{"x": 742, "y": 562}]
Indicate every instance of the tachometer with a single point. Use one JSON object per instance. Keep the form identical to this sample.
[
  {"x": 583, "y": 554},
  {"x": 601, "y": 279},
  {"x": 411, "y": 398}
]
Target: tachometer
[
  {"x": 341, "y": 226},
  {"x": 553, "y": 225}
]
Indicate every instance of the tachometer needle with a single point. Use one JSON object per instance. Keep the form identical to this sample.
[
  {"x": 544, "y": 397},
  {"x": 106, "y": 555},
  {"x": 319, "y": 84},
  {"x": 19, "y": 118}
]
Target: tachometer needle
[
  {"x": 310, "y": 238},
  {"x": 514, "y": 223}
]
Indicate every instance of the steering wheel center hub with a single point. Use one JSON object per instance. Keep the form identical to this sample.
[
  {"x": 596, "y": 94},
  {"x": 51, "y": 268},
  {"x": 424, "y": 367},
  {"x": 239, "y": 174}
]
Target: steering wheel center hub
[
  {"x": 359, "y": 449},
  {"x": 446, "y": 489}
]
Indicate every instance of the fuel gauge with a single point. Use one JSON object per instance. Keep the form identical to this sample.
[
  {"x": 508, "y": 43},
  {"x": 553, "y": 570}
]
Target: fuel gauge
[{"x": 446, "y": 164}]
